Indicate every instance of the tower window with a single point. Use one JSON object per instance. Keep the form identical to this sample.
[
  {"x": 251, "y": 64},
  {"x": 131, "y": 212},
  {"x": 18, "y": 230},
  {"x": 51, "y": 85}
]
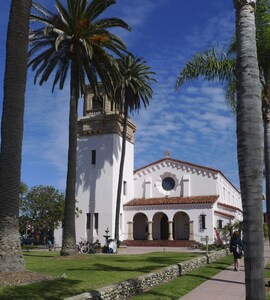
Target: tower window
[
  {"x": 93, "y": 157},
  {"x": 124, "y": 188},
  {"x": 96, "y": 220},
  {"x": 88, "y": 220}
]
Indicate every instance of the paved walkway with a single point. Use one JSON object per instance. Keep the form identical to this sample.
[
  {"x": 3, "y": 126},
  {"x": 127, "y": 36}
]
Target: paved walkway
[{"x": 227, "y": 284}]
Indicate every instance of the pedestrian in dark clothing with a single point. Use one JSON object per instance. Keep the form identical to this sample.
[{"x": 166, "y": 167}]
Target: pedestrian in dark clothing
[{"x": 236, "y": 247}]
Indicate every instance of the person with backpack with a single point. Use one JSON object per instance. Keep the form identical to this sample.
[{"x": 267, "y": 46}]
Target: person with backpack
[{"x": 236, "y": 247}]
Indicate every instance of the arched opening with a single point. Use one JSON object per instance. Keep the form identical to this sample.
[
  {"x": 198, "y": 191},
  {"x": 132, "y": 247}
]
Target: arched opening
[
  {"x": 140, "y": 227},
  {"x": 160, "y": 227},
  {"x": 181, "y": 226}
]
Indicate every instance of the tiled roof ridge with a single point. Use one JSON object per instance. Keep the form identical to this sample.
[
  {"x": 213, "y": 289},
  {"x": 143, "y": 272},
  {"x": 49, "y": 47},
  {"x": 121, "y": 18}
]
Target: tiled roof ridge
[
  {"x": 229, "y": 206},
  {"x": 172, "y": 200},
  {"x": 223, "y": 214}
]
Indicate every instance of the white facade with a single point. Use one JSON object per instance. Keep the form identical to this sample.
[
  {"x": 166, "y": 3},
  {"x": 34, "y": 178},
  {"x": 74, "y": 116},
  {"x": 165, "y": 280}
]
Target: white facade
[
  {"x": 167, "y": 200},
  {"x": 196, "y": 193},
  {"x": 97, "y": 184}
]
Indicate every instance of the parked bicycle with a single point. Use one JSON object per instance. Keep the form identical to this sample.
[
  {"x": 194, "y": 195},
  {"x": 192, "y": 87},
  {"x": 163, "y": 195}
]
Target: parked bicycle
[{"x": 85, "y": 247}]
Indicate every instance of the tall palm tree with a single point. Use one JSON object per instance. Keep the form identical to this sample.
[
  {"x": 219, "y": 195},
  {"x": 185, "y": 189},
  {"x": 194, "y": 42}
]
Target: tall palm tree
[
  {"x": 220, "y": 65},
  {"x": 250, "y": 146},
  {"x": 211, "y": 65},
  {"x": 11, "y": 258},
  {"x": 74, "y": 39},
  {"x": 133, "y": 90}
]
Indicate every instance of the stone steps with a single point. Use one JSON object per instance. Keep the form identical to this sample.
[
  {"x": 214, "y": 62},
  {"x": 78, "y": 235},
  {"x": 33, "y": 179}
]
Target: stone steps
[{"x": 158, "y": 243}]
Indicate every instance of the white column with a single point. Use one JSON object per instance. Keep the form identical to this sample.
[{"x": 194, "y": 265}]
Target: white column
[
  {"x": 170, "y": 230},
  {"x": 130, "y": 231},
  {"x": 150, "y": 231},
  {"x": 191, "y": 231}
]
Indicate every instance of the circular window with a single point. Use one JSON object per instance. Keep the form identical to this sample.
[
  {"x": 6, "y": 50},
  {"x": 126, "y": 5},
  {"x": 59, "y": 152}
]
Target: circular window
[{"x": 168, "y": 183}]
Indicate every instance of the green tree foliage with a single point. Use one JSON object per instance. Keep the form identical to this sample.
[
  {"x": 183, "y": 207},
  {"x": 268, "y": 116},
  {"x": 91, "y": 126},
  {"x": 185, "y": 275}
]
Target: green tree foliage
[{"x": 42, "y": 208}]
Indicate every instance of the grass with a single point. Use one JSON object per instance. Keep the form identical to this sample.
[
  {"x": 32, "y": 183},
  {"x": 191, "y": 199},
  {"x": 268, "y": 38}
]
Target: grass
[
  {"x": 267, "y": 276},
  {"x": 184, "y": 284},
  {"x": 85, "y": 272}
]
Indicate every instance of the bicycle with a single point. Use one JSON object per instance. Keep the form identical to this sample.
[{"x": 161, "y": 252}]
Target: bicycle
[{"x": 86, "y": 247}]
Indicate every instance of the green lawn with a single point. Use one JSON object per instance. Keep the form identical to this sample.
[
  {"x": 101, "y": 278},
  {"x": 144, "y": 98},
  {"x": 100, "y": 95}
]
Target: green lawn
[
  {"x": 86, "y": 272},
  {"x": 184, "y": 284},
  {"x": 267, "y": 276}
]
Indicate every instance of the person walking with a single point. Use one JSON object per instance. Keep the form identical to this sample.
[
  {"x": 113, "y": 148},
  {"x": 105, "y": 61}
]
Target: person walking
[{"x": 236, "y": 247}]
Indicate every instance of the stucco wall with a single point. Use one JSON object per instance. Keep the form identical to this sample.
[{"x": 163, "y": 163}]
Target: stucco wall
[
  {"x": 97, "y": 184},
  {"x": 198, "y": 182}
]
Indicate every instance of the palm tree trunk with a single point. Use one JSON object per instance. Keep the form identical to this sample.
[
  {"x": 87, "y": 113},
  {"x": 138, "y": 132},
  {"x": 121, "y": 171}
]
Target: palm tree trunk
[
  {"x": 69, "y": 232},
  {"x": 121, "y": 170},
  {"x": 250, "y": 147},
  {"x": 11, "y": 258}
]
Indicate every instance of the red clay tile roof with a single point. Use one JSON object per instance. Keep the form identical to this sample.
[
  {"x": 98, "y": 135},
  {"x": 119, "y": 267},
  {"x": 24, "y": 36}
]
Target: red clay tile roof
[
  {"x": 229, "y": 206},
  {"x": 224, "y": 214},
  {"x": 173, "y": 200}
]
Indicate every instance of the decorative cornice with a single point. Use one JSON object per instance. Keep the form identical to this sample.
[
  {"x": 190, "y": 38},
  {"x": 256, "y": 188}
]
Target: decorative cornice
[
  {"x": 174, "y": 207},
  {"x": 177, "y": 164}
]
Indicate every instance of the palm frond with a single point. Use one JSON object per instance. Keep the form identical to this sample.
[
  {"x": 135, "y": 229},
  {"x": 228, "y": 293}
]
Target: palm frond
[{"x": 209, "y": 65}]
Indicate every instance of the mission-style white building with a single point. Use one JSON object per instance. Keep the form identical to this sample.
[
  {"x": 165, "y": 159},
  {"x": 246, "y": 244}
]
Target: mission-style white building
[{"x": 167, "y": 202}]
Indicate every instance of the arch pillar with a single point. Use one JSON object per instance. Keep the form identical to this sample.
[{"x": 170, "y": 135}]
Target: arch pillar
[
  {"x": 130, "y": 230},
  {"x": 170, "y": 238},
  {"x": 191, "y": 231},
  {"x": 150, "y": 231}
]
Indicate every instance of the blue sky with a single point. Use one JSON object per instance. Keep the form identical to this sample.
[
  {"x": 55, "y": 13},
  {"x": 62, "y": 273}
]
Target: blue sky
[{"x": 194, "y": 124}]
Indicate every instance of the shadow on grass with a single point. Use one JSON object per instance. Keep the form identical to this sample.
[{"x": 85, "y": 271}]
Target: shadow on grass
[
  {"x": 53, "y": 290},
  {"x": 108, "y": 269},
  {"x": 38, "y": 255}
]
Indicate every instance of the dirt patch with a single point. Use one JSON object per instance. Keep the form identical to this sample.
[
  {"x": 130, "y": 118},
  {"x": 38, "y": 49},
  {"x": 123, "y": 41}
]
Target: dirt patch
[{"x": 22, "y": 278}]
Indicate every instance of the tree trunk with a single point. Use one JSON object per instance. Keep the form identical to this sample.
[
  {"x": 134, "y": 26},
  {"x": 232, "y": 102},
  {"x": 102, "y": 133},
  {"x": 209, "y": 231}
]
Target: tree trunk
[
  {"x": 11, "y": 258},
  {"x": 250, "y": 147},
  {"x": 121, "y": 170},
  {"x": 69, "y": 232}
]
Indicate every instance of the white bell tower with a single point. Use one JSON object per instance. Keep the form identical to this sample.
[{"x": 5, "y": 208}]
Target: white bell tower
[{"x": 98, "y": 159}]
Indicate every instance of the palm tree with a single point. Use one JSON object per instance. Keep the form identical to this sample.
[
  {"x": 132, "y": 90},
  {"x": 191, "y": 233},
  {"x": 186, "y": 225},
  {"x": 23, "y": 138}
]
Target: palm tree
[
  {"x": 11, "y": 258},
  {"x": 133, "y": 89},
  {"x": 74, "y": 40},
  {"x": 249, "y": 131},
  {"x": 250, "y": 146},
  {"x": 220, "y": 65},
  {"x": 212, "y": 66}
]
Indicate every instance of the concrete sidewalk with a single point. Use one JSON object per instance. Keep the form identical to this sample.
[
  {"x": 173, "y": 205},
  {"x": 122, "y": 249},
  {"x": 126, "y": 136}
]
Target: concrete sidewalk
[{"x": 227, "y": 284}]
